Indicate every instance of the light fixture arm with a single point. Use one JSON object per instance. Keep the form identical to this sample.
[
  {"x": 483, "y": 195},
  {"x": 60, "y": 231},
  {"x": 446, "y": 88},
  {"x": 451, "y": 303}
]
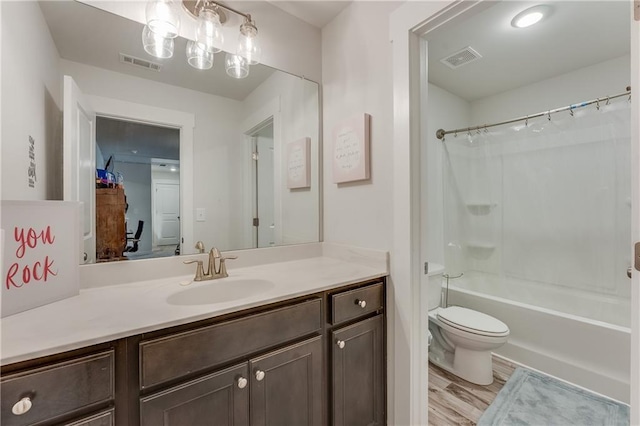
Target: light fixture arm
[{"x": 214, "y": 5}]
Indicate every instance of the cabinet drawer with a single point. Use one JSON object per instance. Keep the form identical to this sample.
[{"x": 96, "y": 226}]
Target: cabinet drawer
[
  {"x": 356, "y": 303},
  {"x": 178, "y": 355},
  {"x": 58, "y": 389},
  {"x": 105, "y": 418}
]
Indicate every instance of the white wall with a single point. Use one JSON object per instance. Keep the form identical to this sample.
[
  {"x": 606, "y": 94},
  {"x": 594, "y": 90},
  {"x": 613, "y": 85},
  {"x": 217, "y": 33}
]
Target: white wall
[
  {"x": 596, "y": 81},
  {"x": 356, "y": 79},
  {"x": 31, "y": 104},
  {"x": 298, "y": 107},
  {"x": 216, "y": 143}
]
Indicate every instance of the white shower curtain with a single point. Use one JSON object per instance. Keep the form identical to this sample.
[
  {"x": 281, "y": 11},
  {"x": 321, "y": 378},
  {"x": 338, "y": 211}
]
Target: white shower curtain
[{"x": 544, "y": 204}]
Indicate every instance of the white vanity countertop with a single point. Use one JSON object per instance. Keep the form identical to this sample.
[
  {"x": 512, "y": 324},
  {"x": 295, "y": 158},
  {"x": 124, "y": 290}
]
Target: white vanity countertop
[{"x": 108, "y": 313}]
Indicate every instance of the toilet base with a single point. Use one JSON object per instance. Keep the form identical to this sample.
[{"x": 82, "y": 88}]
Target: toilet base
[{"x": 472, "y": 366}]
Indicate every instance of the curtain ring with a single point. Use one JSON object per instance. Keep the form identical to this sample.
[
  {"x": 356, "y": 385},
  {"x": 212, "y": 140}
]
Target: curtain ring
[
  {"x": 455, "y": 134},
  {"x": 598, "y": 104},
  {"x": 571, "y": 111},
  {"x": 549, "y": 115},
  {"x": 607, "y": 100},
  {"x": 526, "y": 121}
]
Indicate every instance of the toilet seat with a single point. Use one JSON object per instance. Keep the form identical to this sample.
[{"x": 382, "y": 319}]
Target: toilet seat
[{"x": 473, "y": 322}]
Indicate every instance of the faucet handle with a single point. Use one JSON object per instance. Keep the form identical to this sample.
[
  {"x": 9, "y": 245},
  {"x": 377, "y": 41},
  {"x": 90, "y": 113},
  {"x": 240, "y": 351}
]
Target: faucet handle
[
  {"x": 200, "y": 247},
  {"x": 199, "y": 269},
  {"x": 223, "y": 267}
]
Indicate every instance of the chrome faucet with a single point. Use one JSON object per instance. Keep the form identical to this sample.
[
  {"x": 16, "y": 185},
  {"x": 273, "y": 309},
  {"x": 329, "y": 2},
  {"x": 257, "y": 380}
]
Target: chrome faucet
[{"x": 216, "y": 269}]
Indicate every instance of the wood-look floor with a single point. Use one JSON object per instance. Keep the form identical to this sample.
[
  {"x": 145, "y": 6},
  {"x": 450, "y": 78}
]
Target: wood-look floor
[{"x": 454, "y": 401}]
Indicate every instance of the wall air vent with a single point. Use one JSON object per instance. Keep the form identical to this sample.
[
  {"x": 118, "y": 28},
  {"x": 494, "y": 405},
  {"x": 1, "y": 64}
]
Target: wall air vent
[
  {"x": 460, "y": 58},
  {"x": 138, "y": 62}
]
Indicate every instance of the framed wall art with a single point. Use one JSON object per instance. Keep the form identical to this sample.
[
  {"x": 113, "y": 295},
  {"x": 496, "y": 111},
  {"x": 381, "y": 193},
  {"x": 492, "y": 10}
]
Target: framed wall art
[
  {"x": 351, "y": 149},
  {"x": 298, "y": 164}
]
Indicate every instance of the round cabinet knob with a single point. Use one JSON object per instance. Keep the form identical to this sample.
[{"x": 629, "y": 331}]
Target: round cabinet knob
[
  {"x": 21, "y": 406},
  {"x": 340, "y": 344},
  {"x": 361, "y": 303},
  {"x": 259, "y": 375},
  {"x": 242, "y": 383}
]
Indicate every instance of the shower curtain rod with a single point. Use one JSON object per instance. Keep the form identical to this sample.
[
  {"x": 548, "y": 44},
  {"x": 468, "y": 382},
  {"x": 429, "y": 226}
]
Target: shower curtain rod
[{"x": 441, "y": 132}]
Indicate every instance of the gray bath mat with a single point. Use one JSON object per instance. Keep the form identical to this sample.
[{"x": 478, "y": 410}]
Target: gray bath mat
[{"x": 531, "y": 398}]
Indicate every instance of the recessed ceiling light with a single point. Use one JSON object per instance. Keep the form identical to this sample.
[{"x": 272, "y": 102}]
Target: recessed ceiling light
[
  {"x": 173, "y": 169},
  {"x": 530, "y": 16}
]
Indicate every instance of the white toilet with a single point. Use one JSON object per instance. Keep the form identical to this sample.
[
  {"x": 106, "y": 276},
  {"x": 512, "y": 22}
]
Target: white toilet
[{"x": 462, "y": 338}]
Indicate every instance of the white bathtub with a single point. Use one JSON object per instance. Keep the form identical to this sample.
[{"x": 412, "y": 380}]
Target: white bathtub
[{"x": 590, "y": 353}]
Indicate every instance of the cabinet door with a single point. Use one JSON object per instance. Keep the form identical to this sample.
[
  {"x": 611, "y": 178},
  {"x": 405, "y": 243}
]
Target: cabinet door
[
  {"x": 358, "y": 380},
  {"x": 221, "y": 398},
  {"x": 286, "y": 386}
]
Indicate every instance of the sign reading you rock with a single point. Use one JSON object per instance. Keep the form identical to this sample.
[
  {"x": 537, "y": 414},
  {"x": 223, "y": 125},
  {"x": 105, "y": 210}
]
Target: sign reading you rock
[{"x": 40, "y": 252}]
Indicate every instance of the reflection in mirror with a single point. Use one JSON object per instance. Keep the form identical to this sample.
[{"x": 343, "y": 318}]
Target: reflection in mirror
[{"x": 230, "y": 136}]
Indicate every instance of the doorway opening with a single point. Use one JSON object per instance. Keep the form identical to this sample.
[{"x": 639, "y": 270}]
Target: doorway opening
[
  {"x": 262, "y": 179},
  {"x": 145, "y": 160}
]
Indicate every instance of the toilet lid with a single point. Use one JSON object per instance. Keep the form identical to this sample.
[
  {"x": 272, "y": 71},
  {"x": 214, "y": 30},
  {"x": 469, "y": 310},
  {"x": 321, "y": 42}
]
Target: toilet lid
[{"x": 473, "y": 321}]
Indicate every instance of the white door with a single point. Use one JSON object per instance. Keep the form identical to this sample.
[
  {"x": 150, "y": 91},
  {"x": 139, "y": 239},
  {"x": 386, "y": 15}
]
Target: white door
[
  {"x": 166, "y": 221},
  {"x": 635, "y": 188},
  {"x": 265, "y": 182},
  {"x": 79, "y": 162}
]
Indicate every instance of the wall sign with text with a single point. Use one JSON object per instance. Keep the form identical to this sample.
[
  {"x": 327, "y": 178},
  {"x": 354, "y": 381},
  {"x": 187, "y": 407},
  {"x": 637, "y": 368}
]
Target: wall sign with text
[
  {"x": 40, "y": 253},
  {"x": 351, "y": 145},
  {"x": 298, "y": 164}
]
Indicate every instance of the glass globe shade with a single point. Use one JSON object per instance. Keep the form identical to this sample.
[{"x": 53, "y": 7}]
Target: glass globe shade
[
  {"x": 248, "y": 46},
  {"x": 156, "y": 45},
  {"x": 236, "y": 66},
  {"x": 163, "y": 18},
  {"x": 209, "y": 31},
  {"x": 198, "y": 58}
]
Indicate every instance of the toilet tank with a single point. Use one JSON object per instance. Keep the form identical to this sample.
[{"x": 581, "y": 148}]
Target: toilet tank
[{"x": 434, "y": 290}]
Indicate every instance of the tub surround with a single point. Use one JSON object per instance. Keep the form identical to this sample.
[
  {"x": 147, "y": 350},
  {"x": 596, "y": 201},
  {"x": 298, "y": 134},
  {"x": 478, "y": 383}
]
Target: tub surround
[
  {"x": 136, "y": 300},
  {"x": 571, "y": 348}
]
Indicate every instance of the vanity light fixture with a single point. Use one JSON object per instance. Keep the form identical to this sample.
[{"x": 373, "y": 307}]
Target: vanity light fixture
[
  {"x": 530, "y": 16},
  {"x": 163, "y": 25}
]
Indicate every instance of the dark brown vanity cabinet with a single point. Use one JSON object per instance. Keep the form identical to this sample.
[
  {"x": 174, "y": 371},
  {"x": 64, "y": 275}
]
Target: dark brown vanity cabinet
[
  {"x": 278, "y": 380},
  {"x": 77, "y": 391},
  {"x": 357, "y": 350},
  {"x": 286, "y": 386},
  {"x": 221, "y": 397},
  {"x": 316, "y": 360}
]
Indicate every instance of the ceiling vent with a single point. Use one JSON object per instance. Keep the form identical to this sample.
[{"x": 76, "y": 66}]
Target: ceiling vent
[
  {"x": 142, "y": 63},
  {"x": 460, "y": 58}
]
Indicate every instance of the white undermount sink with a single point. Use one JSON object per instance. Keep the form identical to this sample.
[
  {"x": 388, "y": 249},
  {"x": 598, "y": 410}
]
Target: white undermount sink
[{"x": 219, "y": 291}]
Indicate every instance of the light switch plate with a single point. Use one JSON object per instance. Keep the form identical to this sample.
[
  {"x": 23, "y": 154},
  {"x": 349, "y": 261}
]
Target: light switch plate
[{"x": 200, "y": 215}]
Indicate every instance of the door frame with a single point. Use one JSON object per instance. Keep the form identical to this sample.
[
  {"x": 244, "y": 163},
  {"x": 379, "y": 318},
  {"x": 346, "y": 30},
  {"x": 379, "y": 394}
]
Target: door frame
[
  {"x": 185, "y": 122},
  {"x": 76, "y": 101},
  {"x": 270, "y": 110},
  {"x": 635, "y": 214},
  {"x": 407, "y": 375}
]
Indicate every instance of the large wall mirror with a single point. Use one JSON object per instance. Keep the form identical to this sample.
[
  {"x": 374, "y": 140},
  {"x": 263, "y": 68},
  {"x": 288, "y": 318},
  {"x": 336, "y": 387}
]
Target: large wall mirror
[{"x": 195, "y": 155}]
